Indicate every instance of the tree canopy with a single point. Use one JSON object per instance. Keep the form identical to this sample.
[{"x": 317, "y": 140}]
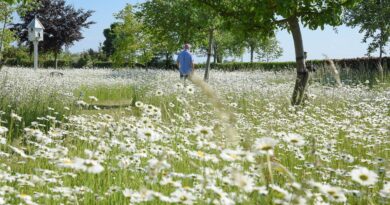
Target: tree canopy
[
  {"x": 108, "y": 44},
  {"x": 132, "y": 44},
  {"x": 268, "y": 50},
  {"x": 14, "y": 1},
  {"x": 372, "y": 16}
]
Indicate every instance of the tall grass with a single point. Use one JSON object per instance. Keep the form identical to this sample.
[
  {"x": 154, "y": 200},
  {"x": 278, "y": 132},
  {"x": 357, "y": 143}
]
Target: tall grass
[
  {"x": 325, "y": 75},
  {"x": 38, "y": 106}
]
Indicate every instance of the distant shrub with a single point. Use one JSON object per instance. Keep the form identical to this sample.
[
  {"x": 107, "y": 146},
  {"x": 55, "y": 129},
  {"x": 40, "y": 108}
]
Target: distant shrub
[
  {"x": 274, "y": 66},
  {"x": 13, "y": 62},
  {"x": 362, "y": 64},
  {"x": 103, "y": 64},
  {"x": 60, "y": 64}
]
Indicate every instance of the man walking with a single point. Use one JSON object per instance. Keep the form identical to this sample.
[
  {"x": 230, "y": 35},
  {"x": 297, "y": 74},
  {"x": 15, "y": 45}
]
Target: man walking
[{"x": 185, "y": 62}]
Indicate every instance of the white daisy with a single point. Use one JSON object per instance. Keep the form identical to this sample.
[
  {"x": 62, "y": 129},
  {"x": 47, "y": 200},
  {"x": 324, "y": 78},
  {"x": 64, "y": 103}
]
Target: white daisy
[
  {"x": 3, "y": 130},
  {"x": 364, "y": 176},
  {"x": 243, "y": 182},
  {"x": 3, "y": 140},
  {"x": 230, "y": 155},
  {"x": 265, "y": 145},
  {"x": 16, "y": 117},
  {"x": 295, "y": 139},
  {"x": 179, "y": 86},
  {"x": 88, "y": 165},
  {"x": 202, "y": 131},
  {"x": 190, "y": 90},
  {"x": 139, "y": 104},
  {"x": 182, "y": 196},
  {"x": 159, "y": 93},
  {"x": 335, "y": 194},
  {"x": 385, "y": 192},
  {"x": 93, "y": 98}
]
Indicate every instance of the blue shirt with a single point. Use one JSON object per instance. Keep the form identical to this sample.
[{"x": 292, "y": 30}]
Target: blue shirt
[{"x": 185, "y": 62}]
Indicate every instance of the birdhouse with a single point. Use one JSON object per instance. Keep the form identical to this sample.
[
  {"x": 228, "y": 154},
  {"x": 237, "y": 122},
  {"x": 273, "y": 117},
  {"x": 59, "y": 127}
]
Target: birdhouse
[{"x": 35, "y": 30}]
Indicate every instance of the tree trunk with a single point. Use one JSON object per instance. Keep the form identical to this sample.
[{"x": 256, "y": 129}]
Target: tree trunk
[
  {"x": 302, "y": 72},
  {"x": 252, "y": 52},
  {"x": 380, "y": 68},
  {"x": 56, "y": 59},
  {"x": 206, "y": 73},
  {"x": 219, "y": 58},
  {"x": 215, "y": 52},
  {"x": 167, "y": 60}
]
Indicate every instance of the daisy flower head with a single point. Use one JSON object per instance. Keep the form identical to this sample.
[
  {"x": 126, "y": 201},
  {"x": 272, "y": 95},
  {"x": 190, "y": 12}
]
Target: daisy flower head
[
  {"x": 295, "y": 139},
  {"x": 335, "y": 194},
  {"x": 81, "y": 103},
  {"x": 16, "y": 117},
  {"x": 3, "y": 140},
  {"x": 203, "y": 131},
  {"x": 65, "y": 163},
  {"x": 231, "y": 155},
  {"x": 243, "y": 182},
  {"x": 3, "y": 130},
  {"x": 190, "y": 89},
  {"x": 265, "y": 145},
  {"x": 159, "y": 93},
  {"x": 183, "y": 196},
  {"x": 93, "y": 98},
  {"x": 179, "y": 86},
  {"x": 364, "y": 176},
  {"x": 88, "y": 165},
  {"x": 234, "y": 105},
  {"x": 385, "y": 192},
  {"x": 139, "y": 104}
]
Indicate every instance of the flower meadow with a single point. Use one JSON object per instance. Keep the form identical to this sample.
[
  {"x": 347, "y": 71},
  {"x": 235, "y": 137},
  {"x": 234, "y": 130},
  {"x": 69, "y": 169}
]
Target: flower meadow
[{"x": 146, "y": 137}]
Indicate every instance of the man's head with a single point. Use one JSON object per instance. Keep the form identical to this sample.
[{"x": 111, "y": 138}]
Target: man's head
[{"x": 187, "y": 46}]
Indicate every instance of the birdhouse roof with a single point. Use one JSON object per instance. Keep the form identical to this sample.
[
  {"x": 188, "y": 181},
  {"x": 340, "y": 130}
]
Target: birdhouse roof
[{"x": 35, "y": 23}]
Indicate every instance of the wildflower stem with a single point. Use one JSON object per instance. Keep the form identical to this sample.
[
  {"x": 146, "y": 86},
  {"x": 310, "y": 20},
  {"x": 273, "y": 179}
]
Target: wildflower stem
[
  {"x": 10, "y": 130},
  {"x": 270, "y": 168}
]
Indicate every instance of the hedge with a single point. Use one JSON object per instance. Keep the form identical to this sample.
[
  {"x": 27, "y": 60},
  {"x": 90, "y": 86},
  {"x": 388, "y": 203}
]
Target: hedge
[{"x": 367, "y": 64}]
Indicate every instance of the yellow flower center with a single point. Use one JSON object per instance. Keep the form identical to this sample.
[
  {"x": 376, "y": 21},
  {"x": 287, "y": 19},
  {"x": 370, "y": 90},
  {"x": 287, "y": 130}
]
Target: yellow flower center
[
  {"x": 200, "y": 154},
  {"x": 363, "y": 177}
]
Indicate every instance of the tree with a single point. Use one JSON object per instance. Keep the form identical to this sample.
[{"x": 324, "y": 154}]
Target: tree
[
  {"x": 6, "y": 35},
  {"x": 131, "y": 42},
  {"x": 63, "y": 24},
  {"x": 267, "y": 15},
  {"x": 372, "y": 16},
  {"x": 108, "y": 44},
  {"x": 164, "y": 40},
  {"x": 268, "y": 50},
  {"x": 15, "y": 1},
  {"x": 230, "y": 44},
  {"x": 253, "y": 42},
  {"x": 176, "y": 22}
]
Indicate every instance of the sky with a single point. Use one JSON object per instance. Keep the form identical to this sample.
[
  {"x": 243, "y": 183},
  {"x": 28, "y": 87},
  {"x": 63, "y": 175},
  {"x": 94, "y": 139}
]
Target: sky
[{"x": 345, "y": 43}]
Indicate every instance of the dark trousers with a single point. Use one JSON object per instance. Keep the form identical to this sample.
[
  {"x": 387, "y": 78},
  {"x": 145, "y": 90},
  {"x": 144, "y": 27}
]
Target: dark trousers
[{"x": 184, "y": 77}]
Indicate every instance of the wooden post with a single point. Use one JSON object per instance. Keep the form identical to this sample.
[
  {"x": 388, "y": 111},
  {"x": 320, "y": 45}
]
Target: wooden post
[{"x": 35, "y": 54}]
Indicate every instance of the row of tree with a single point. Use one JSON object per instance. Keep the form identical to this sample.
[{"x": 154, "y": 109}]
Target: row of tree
[{"x": 160, "y": 28}]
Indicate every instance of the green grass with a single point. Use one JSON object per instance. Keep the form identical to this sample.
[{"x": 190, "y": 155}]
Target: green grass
[
  {"x": 37, "y": 105},
  {"x": 109, "y": 93}
]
